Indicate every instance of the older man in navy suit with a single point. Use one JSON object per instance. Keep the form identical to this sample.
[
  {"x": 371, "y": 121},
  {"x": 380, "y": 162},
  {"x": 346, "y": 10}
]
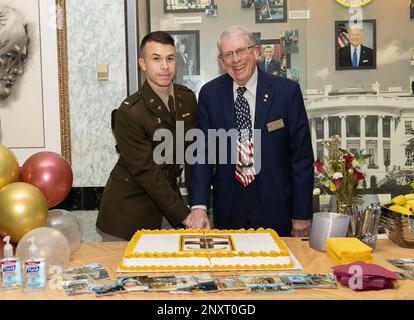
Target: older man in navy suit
[
  {"x": 355, "y": 55},
  {"x": 270, "y": 183}
]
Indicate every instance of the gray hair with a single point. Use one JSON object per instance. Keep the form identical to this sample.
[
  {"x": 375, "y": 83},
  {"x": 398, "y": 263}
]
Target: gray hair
[{"x": 235, "y": 31}]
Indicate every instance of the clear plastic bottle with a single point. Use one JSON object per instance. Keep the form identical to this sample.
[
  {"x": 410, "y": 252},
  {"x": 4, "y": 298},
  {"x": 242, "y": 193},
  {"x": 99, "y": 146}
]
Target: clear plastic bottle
[
  {"x": 34, "y": 269},
  {"x": 11, "y": 268}
]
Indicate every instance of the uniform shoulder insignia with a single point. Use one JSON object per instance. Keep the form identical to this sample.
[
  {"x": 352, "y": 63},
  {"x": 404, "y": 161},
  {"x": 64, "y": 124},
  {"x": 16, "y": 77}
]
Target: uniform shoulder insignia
[{"x": 131, "y": 100}]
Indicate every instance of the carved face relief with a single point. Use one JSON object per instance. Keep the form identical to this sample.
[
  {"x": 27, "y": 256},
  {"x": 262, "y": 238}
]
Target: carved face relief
[{"x": 14, "y": 42}]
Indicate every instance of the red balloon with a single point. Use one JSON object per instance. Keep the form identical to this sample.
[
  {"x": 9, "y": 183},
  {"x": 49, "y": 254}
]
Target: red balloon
[{"x": 49, "y": 172}]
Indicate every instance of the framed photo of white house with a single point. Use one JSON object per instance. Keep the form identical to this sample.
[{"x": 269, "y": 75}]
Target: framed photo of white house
[
  {"x": 355, "y": 45},
  {"x": 183, "y": 6},
  {"x": 34, "y": 110},
  {"x": 269, "y": 11}
]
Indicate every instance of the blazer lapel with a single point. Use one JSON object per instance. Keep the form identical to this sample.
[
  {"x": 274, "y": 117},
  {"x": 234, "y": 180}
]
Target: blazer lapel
[
  {"x": 155, "y": 104},
  {"x": 266, "y": 93},
  {"x": 228, "y": 102}
]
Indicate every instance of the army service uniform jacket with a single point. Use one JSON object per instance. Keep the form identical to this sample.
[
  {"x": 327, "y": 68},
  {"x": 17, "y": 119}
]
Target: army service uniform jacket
[{"x": 140, "y": 192}]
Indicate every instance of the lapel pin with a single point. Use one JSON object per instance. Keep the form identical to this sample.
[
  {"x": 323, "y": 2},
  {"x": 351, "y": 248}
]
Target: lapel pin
[
  {"x": 158, "y": 120},
  {"x": 159, "y": 108},
  {"x": 152, "y": 101}
]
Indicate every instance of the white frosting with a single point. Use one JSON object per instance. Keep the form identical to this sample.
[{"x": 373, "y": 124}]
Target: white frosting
[
  {"x": 253, "y": 242},
  {"x": 176, "y": 262},
  {"x": 158, "y": 243},
  {"x": 232, "y": 261},
  {"x": 247, "y": 242}
]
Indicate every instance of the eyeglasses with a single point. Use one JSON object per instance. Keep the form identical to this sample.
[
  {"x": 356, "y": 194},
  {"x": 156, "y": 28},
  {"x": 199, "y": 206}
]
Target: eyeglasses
[{"x": 239, "y": 52}]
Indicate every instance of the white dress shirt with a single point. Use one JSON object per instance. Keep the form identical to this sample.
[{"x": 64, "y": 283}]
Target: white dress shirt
[{"x": 250, "y": 96}]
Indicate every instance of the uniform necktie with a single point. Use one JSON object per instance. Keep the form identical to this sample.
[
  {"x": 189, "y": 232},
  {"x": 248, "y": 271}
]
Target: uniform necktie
[
  {"x": 171, "y": 107},
  {"x": 355, "y": 58},
  {"x": 267, "y": 65},
  {"x": 245, "y": 172}
]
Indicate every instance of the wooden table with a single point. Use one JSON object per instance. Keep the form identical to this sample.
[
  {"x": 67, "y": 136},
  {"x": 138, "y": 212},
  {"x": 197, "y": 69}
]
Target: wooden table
[{"x": 110, "y": 254}]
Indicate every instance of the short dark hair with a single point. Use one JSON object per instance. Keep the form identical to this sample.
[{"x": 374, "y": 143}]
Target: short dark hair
[{"x": 156, "y": 36}]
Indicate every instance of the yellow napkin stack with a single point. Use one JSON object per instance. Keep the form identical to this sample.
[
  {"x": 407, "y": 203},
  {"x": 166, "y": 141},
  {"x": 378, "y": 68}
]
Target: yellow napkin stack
[{"x": 348, "y": 250}]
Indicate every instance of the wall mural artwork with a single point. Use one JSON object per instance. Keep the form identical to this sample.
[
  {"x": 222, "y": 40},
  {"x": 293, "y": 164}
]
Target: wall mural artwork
[
  {"x": 34, "y": 113},
  {"x": 21, "y": 100}
]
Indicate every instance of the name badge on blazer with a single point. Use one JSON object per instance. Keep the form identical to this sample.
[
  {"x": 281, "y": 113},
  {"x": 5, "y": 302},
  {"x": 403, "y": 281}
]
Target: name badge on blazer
[{"x": 275, "y": 125}]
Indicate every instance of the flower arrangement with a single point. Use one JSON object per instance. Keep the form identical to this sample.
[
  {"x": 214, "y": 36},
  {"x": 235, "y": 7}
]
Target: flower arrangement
[{"x": 341, "y": 172}]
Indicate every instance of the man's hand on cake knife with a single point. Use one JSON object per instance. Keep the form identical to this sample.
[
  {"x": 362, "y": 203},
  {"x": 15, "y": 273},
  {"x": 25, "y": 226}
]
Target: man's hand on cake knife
[
  {"x": 301, "y": 228},
  {"x": 197, "y": 219}
]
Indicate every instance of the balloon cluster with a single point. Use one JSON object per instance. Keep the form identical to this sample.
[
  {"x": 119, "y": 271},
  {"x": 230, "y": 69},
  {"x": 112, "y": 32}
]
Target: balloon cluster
[{"x": 27, "y": 194}]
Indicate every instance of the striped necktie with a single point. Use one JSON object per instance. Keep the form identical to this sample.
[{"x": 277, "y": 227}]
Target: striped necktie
[{"x": 245, "y": 172}]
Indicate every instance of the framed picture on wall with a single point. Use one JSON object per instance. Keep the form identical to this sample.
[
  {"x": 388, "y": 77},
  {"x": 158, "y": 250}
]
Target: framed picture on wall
[
  {"x": 268, "y": 11},
  {"x": 187, "y": 43},
  {"x": 34, "y": 110},
  {"x": 412, "y": 9},
  {"x": 355, "y": 45},
  {"x": 272, "y": 59},
  {"x": 176, "y": 6}
]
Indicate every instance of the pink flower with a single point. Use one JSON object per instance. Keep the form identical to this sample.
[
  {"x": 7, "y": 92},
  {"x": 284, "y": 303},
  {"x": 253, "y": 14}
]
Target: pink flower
[{"x": 318, "y": 165}]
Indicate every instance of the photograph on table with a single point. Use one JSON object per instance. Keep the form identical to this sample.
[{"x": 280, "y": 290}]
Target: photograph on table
[
  {"x": 271, "y": 59},
  {"x": 268, "y": 11},
  {"x": 176, "y": 6},
  {"x": 188, "y": 53},
  {"x": 289, "y": 41},
  {"x": 355, "y": 45}
]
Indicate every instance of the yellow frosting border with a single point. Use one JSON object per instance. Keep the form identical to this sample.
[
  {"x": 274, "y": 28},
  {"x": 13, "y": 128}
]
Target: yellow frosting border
[
  {"x": 129, "y": 251},
  {"x": 208, "y": 268}
]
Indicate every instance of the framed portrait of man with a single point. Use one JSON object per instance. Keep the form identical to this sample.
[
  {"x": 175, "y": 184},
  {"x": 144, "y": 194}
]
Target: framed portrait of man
[
  {"x": 187, "y": 43},
  {"x": 176, "y": 6},
  {"x": 268, "y": 11},
  {"x": 355, "y": 45},
  {"x": 271, "y": 59}
]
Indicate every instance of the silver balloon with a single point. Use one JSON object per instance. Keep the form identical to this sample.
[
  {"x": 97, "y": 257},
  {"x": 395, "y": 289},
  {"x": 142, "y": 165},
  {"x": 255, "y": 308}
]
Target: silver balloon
[
  {"x": 52, "y": 244},
  {"x": 68, "y": 224}
]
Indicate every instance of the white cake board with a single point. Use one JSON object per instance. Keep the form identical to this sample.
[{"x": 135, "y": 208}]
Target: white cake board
[{"x": 297, "y": 266}]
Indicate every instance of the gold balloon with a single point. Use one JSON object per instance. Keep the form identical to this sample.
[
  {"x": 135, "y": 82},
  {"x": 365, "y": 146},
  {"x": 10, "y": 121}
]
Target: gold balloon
[
  {"x": 9, "y": 166},
  {"x": 23, "y": 208}
]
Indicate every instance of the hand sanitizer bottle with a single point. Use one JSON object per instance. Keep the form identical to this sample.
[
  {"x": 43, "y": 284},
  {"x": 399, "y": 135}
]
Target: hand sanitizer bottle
[
  {"x": 35, "y": 269},
  {"x": 11, "y": 268}
]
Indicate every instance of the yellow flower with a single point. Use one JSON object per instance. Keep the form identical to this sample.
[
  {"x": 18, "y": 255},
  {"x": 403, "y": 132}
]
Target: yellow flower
[{"x": 332, "y": 187}]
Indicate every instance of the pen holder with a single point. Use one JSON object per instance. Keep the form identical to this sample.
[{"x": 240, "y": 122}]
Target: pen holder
[{"x": 327, "y": 225}]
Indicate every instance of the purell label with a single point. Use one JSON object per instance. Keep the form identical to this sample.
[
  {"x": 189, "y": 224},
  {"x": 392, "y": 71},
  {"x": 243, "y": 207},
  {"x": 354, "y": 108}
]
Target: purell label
[
  {"x": 32, "y": 269},
  {"x": 11, "y": 273},
  {"x": 35, "y": 274},
  {"x": 10, "y": 268}
]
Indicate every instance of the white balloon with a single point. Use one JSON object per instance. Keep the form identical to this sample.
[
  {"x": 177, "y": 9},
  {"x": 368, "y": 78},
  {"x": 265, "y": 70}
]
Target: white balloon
[
  {"x": 52, "y": 245},
  {"x": 68, "y": 224}
]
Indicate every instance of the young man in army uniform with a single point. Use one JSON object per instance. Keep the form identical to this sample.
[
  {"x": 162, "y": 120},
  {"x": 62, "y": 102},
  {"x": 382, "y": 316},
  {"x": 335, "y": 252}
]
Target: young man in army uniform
[{"x": 139, "y": 192}]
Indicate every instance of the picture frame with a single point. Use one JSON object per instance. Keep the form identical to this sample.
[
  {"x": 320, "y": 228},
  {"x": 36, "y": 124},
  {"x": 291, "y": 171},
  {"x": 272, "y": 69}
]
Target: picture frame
[
  {"x": 362, "y": 33},
  {"x": 282, "y": 61},
  {"x": 132, "y": 46},
  {"x": 45, "y": 23},
  {"x": 180, "y": 6},
  {"x": 187, "y": 43},
  {"x": 271, "y": 11}
]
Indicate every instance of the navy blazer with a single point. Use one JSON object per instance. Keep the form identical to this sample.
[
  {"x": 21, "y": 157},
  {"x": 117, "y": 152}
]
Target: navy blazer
[
  {"x": 366, "y": 58},
  {"x": 285, "y": 180}
]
